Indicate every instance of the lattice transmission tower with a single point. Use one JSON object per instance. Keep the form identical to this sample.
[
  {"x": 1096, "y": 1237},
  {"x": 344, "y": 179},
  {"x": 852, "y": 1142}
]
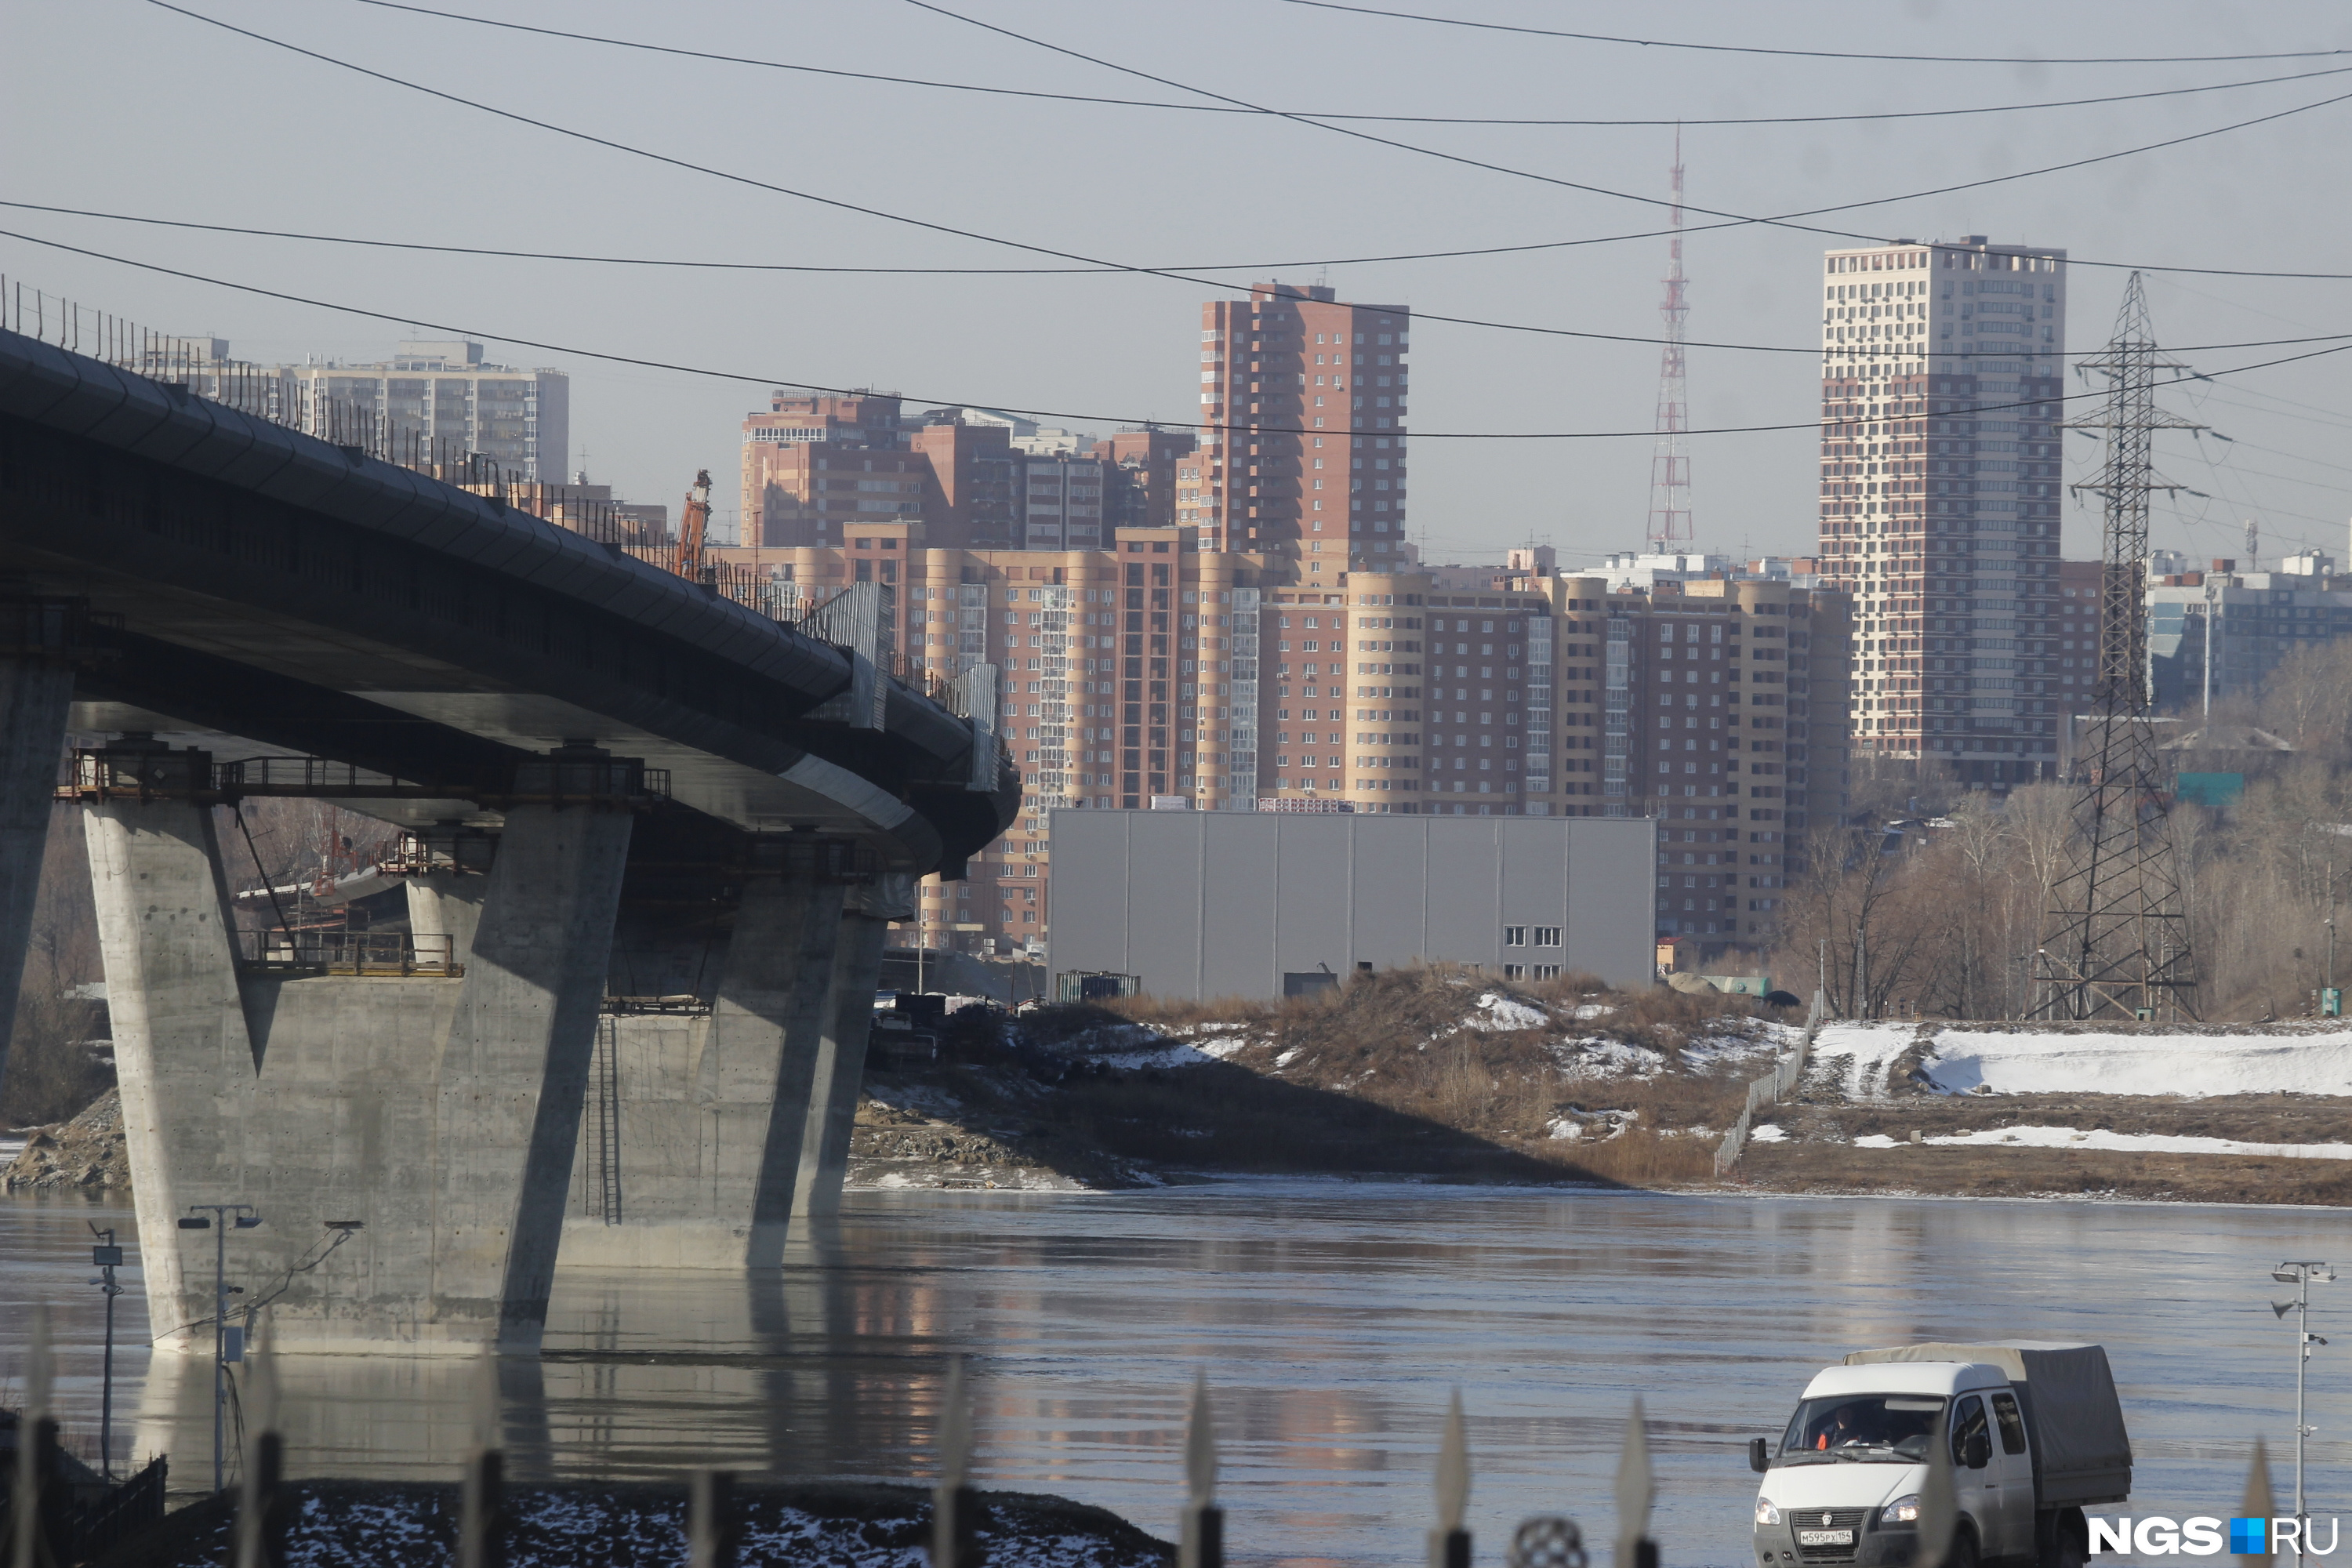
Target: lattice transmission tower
[
  {"x": 2118, "y": 940},
  {"x": 1670, "y": 505}
]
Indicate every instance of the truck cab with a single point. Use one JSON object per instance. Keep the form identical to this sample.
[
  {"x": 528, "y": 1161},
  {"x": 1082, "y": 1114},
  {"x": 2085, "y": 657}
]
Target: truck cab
[
  {"x": 2035, "y": 1431},
  {"x": 1841, "y": 1485}
]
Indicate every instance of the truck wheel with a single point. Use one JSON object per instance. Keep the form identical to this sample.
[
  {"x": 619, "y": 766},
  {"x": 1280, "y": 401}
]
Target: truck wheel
[
  {"x": 2070, "y": 1545},
  {"x": 1964, "y": 1548}
]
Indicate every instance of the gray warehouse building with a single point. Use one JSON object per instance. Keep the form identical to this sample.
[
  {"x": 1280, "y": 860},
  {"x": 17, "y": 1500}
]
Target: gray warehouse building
[{"x": 1216, "y": 903}]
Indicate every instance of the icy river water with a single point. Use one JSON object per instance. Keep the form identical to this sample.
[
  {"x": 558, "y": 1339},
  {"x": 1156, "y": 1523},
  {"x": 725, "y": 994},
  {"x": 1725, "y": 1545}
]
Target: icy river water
[{"x": 1332, "y": 1321}]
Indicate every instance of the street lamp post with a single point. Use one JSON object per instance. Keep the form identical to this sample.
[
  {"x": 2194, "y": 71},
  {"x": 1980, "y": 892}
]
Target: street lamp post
[
  {"x": 106, "y": 1257},
  {"x": 2302, "y": 1275},
  {"x": 225, "y": 1219}
]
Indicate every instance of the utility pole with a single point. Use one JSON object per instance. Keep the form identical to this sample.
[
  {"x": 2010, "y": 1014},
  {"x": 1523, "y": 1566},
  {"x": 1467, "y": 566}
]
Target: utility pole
[
  {"x": 2119, "y": 943},
  {"x": 2302, "y": 1275},
  {"x": 227, "y": 1344}
]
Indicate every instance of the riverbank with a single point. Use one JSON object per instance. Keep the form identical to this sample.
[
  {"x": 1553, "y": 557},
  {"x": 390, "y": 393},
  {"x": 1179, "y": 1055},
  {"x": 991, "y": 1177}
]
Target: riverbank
[
  {"x": 393, "y": 1525},
  {"x": 1446, "y": 1075}
]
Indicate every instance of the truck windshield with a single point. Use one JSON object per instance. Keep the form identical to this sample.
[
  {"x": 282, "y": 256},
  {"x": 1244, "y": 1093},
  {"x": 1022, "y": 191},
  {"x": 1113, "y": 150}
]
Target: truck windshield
[{"x": 1863, "y": 1429}]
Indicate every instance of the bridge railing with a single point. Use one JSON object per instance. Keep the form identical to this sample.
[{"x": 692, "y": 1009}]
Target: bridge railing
[
  {"x": 370, "y": 952},
  {"x": 268, "y": 393}
]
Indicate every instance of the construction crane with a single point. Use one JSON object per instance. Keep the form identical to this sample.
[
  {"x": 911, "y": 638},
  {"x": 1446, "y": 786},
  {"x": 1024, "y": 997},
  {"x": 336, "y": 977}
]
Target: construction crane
[{"x": 694, "y": 526}]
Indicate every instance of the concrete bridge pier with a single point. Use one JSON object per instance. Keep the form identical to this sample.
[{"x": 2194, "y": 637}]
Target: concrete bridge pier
[
  {"x": 38, "y": 639},
  {"x": 403, "y": 1126},
  {"x": 707, "y": 1134},
  {"x": 841, "y": 1055}
]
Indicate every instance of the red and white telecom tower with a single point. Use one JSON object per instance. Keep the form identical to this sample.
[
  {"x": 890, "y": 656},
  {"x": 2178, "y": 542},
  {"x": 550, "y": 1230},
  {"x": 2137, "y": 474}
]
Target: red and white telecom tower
[{"x": 1670, "y": 514}]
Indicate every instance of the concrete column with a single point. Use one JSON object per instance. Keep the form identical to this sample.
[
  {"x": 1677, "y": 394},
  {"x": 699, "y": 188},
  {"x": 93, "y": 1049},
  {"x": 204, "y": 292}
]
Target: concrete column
[
  {"x": 516, "y": 1067},
  {"x": 840, "y": 1071},
  {"x": 183, "y": 1052},
  {"x": 33, "y": 698},
  {"x": 438, "y": 1113},
  {"x": 448, "y": 903},
  {"x": 711, "y": 1112}
]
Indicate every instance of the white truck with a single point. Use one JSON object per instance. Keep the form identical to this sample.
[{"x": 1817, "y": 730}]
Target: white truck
[{"x": 2036, "y": 1435}]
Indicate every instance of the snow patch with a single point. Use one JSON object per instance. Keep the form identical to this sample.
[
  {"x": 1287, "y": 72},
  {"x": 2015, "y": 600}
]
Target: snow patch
[
  {"x": 2133, "y": 1143},
  {"x": 1601, "y": 1058},
  {"x": 1165, "y": 1053},
  {"x": 1288, "y": 1056},
  {"x": 2191, "y": 1065},
  {"x": 1863, "y": 1055},
  {"x": 1593, "y": 1010},
  {"x": 1498, "y": 1011},
  {"x": 1770, "y": 1132}
]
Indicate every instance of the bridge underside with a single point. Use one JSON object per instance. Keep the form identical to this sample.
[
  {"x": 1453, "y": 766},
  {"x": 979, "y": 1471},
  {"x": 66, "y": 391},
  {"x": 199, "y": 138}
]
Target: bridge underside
[{"x": 193, "y": 589}]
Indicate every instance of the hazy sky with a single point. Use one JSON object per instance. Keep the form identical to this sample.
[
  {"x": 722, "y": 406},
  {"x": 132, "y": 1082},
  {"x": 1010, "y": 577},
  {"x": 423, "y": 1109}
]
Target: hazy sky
[{"x": 124, "y": 107}]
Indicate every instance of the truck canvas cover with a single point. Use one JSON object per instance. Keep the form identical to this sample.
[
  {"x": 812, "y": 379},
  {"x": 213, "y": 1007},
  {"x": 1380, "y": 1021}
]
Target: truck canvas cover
[{"x": 2081, "y": 1453}]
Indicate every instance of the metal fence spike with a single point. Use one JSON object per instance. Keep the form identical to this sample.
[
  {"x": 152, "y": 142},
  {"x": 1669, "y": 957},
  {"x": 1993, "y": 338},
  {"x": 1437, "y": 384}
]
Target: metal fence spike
[
  {"x": 486, "y": 1411},
  {"x": 1940, "y": 1508},
  {"x": 1449, "y": 1543},
  {"x": 25, "y": 1486},
  {"x": 1637, "y": 1489},
  {"x": 1200, "y": 1447},
  {"x": 955, "y": 1428},
  {"x": 712, "y": 1526},
  {"x": 1201, "y": 1529},
  {"x": 1452, "y": 1470},
  {"x": 951, "y": 1501},
  {"x": 2258, "y": 1504}
]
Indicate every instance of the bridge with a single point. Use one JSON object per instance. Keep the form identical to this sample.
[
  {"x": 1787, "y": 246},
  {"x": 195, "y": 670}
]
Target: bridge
[{"x": 577, "y": 744}]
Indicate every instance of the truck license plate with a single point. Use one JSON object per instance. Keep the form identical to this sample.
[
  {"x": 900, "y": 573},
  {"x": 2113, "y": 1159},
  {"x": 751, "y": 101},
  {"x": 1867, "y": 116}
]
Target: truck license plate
[{"x": 1825, "y": 1537}]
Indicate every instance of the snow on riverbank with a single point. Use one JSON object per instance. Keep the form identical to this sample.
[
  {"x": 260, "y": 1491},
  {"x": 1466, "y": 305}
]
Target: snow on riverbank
[
  {"x": 1862, "y": 1054},
  {"x": 2116, "y": 1142},
  {"x": 1860, "y": 1059},
  {"x": 2194, "y": 1065}
]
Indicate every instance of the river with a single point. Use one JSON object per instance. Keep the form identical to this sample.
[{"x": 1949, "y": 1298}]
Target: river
[{"x": 1332, "y": 1321}]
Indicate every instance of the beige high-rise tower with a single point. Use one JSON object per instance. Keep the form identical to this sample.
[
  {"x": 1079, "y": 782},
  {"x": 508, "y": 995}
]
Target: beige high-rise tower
[
  {"x": 1941, "y": 367},
  {"x": 1303, "y": 448}
]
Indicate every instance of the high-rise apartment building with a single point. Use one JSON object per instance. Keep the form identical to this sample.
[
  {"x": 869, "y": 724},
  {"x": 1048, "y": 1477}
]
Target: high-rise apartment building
[
  {"x": 1142, "y": 488},
  {"x": 813, "y": 468},
  {"x": 1062, "y": 498},
  {"x": 1941, "y": 367},
  {"x": 442, "y": 395},
  {"x": 1304, "y": 401},
  {"x": 815, "y": 465},
  {"x": 1718, "y": 707},
  {"x": 1128, "y": 672}
]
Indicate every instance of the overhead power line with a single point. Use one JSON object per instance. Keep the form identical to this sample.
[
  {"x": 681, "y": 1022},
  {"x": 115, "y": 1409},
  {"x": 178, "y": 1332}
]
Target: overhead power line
[
  {"x": 414, "y": 319},
  {"x": 992, "y": 90},
  {"x": 693, "y": 264},
  {"x": 1467, "y": 162},
  {"x": 1732, "y": 220},
  {"x": 1827, "y": 54}
]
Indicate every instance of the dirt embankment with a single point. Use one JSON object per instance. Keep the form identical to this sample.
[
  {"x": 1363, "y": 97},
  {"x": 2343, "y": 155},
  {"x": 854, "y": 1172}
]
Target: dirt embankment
[
  {"x": 1433, "y": 1073},
  {"x": 1444, "y": 1074},
  {"x": 1880, "y": 1122},
  {"x": 88, "y": 1154}
]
